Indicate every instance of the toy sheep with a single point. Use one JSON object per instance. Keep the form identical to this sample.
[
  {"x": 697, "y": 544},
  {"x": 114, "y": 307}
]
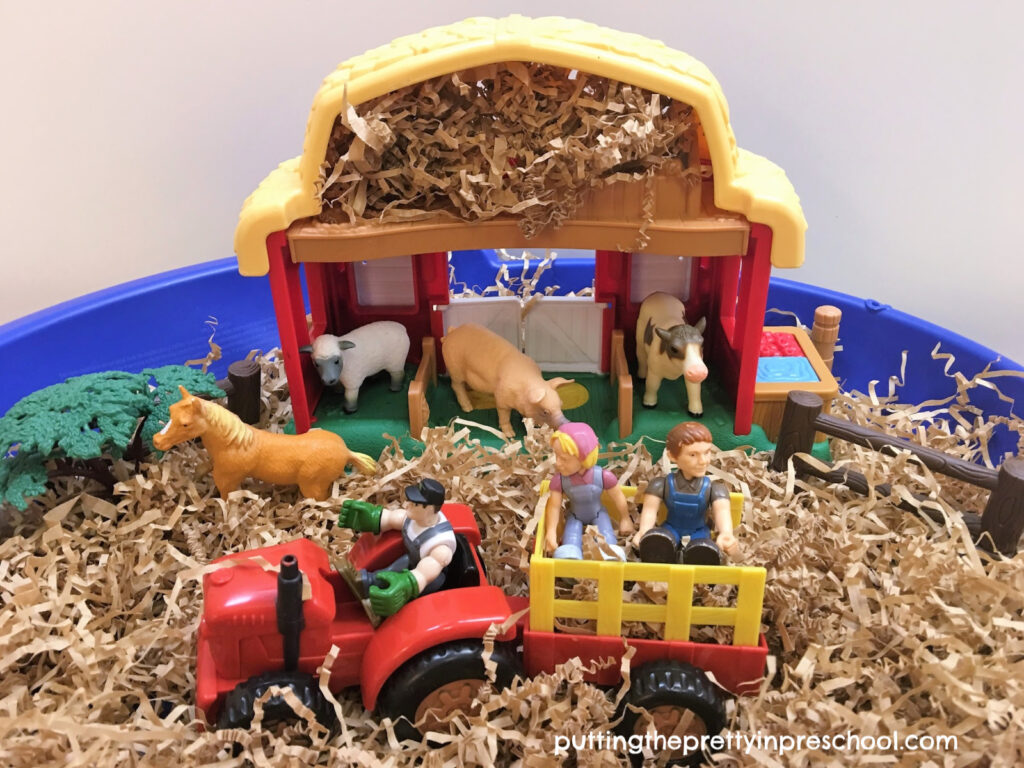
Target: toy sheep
[{"x": 347, "y": 360}]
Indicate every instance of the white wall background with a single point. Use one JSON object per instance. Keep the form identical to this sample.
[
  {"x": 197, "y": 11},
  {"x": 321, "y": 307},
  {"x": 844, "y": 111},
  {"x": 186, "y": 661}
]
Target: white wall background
[{"x": 130, "y": 133}]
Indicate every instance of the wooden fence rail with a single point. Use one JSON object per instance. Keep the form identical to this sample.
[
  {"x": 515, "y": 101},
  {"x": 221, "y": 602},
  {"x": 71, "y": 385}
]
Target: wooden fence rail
[
  {"x": 426, "y": 376},
  {"x": 623, "y": 383},
  {"x": 999, "y": 527}
]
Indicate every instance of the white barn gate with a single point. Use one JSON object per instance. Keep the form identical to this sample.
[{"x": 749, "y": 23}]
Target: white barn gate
[{"x": 563, "y": 333}]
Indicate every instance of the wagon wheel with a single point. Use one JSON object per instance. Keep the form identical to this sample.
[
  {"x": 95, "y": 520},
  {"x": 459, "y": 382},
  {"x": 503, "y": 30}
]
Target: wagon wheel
[
  {"x": 440, "y": 681},
  {"x": 679, "y": 699},
  {"x": 239, "y": 706}
]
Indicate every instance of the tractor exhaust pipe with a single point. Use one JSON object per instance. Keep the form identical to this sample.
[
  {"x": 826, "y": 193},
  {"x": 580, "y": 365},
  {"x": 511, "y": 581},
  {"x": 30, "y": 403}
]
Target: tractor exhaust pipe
[{"x": 290, "y": 621}]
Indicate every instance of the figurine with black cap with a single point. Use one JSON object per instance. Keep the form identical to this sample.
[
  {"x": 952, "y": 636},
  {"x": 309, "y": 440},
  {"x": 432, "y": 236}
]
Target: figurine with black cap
[{"x": 429, "y": 545}]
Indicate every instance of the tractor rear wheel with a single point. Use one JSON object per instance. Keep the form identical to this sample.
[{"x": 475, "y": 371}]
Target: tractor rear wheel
[
  {"x": 239, "y": 705},
  {"x": 441, "y": 680},
  {"x": 679, "y": 699}
]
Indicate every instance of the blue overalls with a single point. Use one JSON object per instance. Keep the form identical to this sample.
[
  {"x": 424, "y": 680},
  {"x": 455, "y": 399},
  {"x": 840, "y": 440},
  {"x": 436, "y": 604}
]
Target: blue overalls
[
  {"x": 687, "y": 512},
  {"x": 585, "y": 508}
]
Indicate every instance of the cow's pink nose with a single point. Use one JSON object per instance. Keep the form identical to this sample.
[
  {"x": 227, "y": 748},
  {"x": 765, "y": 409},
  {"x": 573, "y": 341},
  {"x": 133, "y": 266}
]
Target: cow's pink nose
[{"x": 696, "y": 374}]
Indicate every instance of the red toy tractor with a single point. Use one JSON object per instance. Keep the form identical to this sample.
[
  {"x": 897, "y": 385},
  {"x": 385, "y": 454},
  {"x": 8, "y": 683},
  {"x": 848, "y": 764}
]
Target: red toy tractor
[
  {"x": 262, "y": 627},
  {"x": 257, "y": 631}
]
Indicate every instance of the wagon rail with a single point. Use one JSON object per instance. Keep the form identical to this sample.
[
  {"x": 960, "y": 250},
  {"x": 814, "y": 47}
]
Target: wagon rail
[{"x": 678, "y": 614}]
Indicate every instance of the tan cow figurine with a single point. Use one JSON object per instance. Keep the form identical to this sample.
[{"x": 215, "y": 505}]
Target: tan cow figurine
[
  {"x": 313, "y": 460},
  {"x": 488, "y": 363},
  {"x": 667, "y": 348}
]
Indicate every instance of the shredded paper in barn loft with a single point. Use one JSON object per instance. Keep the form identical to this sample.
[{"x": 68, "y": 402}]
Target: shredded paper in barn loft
[
  {"x": 879, "y": 621},
  {"x": 514, "y": 138}
]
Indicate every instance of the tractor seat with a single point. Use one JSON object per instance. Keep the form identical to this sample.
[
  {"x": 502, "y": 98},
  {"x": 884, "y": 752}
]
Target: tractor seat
[{"x": 462, "y": 571}]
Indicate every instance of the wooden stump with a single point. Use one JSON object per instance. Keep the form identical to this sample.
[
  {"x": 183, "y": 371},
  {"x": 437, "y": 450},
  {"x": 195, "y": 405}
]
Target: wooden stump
[{"x": 243, "y": 385}]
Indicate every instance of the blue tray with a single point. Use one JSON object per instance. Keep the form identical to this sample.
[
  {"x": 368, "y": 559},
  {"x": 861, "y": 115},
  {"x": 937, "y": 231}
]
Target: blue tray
[
  {"x": 164, "y": 319},
  {"x": 153, "y": 321}
]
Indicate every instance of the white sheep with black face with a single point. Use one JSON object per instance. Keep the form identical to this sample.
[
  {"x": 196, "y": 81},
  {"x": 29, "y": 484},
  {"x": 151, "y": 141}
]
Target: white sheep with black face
[{"x": 347, "y": 360}]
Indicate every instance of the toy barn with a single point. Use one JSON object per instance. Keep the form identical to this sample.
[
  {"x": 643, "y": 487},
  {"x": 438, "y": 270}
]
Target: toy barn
[{"x": 387, "y": 188}]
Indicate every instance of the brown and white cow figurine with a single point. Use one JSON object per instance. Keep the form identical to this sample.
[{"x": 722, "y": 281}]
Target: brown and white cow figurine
[{"x": 667, "y": 348}]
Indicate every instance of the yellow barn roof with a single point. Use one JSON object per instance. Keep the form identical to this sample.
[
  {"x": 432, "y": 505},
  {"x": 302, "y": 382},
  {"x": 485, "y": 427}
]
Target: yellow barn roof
[{"x": 744, "y": 183}]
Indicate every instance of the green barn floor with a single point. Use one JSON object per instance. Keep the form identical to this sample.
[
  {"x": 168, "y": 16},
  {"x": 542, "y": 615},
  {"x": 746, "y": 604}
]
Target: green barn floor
[{"x": 383, "y": 413}]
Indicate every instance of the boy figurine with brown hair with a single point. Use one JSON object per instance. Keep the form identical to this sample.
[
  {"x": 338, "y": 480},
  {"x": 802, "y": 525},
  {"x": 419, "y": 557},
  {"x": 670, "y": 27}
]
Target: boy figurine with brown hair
[{"x": 688, "y": 494}]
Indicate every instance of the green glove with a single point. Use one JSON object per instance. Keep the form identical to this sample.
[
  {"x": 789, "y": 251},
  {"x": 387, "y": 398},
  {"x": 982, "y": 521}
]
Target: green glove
[
  {"x": 401, "y": 588},
  {"x": 360, "y": 516}
]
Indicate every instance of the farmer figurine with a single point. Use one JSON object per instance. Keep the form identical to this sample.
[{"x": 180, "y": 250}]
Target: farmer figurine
[
  {"x": 429, "y": 546},
  {"x": 582, "y": 482},
  {"x": 688, "y": 494}
]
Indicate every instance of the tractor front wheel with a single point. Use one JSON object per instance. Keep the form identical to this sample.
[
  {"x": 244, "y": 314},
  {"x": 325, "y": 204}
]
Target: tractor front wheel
[
  {"x": 432, "y": 685},
  {"x": 239, "y": 705}
]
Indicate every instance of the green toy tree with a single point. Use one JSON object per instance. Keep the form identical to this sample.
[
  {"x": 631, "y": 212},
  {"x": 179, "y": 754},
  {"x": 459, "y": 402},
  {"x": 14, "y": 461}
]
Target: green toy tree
[
  {"x": 166, "y": 381},
  {"x": 93, "y": 417}
]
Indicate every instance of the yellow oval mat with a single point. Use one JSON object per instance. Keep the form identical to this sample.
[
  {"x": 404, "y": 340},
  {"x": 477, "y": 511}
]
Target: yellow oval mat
[{"x": 572, "y": 395}]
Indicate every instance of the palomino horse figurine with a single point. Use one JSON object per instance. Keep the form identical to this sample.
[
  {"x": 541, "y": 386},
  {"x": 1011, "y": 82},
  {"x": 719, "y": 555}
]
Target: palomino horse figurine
[{"x": 313, "y": 460}]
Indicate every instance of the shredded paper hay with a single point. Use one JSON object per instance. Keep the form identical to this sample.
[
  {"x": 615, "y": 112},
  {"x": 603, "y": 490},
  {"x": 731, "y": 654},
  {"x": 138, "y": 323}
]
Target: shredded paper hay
[
  {"x": 512, "y": 138},
  {"x": 878, "y": 620}
]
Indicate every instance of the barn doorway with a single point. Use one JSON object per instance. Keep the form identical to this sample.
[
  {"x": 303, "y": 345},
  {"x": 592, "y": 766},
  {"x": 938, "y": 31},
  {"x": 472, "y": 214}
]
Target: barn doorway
[{"x": 538, "y": 300}]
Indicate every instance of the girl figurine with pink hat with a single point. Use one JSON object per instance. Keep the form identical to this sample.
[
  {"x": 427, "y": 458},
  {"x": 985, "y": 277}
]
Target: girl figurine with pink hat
[{"x": 582, "y": 482}]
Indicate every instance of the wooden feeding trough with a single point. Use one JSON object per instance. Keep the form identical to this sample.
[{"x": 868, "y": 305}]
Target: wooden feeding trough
[{"x": 802, "y": 369}]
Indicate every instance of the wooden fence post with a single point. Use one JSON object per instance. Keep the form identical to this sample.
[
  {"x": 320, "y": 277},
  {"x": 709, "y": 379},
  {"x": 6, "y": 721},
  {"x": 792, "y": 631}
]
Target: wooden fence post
[
  {"x": 796, "y": 435},
  {"x": 244, "y": 387},
  {"x": 825, "y": 332},
  {"x": 1002, "y": 522}
]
